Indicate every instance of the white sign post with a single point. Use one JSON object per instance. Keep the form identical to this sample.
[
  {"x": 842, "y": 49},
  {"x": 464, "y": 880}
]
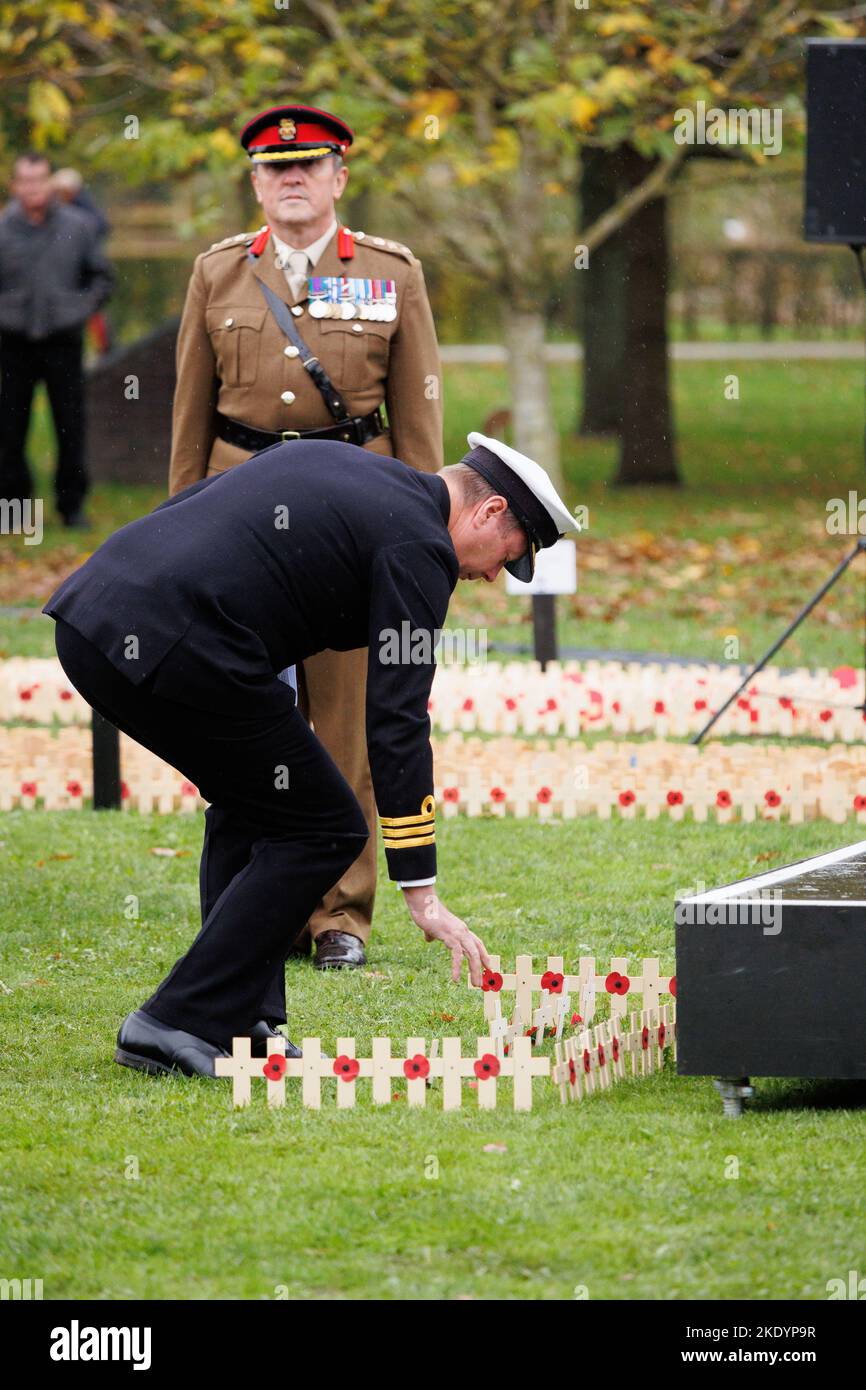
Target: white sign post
[{"x": 555, "y": 573}]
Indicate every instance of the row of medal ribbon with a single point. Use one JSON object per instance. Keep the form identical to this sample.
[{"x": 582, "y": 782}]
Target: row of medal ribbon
[{"x": 342, "y": 297}]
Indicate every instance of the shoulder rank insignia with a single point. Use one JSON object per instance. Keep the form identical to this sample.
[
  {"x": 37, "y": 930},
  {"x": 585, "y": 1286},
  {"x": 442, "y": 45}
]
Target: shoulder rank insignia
[
  {"x": 380, "y": 243},
  {"x": 236, "y": 240}
]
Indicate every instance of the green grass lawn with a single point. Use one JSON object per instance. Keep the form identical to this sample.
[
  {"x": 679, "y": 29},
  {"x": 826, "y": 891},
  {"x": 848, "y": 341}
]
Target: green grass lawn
[
  {"x": 624, "y": 1193},
  {"x": 734, "y": 552}
]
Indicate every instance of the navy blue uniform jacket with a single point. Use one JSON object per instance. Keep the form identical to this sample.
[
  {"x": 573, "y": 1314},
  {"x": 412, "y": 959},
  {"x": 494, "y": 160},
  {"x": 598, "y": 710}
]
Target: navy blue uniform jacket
[{"x": 310, "y": 545}]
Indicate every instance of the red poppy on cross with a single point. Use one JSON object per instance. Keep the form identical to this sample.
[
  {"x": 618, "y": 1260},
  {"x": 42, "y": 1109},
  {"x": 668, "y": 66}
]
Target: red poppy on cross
[{"x": 275, "y": 1066}]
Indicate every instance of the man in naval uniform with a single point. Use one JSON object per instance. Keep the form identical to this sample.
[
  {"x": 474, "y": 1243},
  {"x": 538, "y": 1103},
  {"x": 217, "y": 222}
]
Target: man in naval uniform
[
  {"x": 176, "y": 630},
  {"x": 359, "y": 307}
]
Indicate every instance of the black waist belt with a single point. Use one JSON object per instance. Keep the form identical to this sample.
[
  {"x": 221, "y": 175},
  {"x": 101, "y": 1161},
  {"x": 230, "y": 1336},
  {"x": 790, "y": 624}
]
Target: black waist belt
[{"x": 358, "y": 430}]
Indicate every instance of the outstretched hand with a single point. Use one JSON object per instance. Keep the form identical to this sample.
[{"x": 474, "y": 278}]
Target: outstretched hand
[{"x": 438, "y": 923}]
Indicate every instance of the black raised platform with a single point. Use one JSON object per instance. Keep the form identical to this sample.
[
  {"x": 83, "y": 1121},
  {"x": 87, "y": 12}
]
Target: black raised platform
[{"x": 771, "y": 973}]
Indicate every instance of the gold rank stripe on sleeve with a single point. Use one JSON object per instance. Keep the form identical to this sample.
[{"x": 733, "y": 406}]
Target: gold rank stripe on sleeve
[
  {"x": 404, "y": 832},
  {"x": 407, "y": 831},
  {"x": 409, "y": 844}
]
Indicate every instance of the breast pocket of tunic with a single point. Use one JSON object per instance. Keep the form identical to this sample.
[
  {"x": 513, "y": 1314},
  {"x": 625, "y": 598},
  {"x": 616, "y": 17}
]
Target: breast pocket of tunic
[
  {"x": 236, "y": 335},
  {"x": 354, "y": 352}
]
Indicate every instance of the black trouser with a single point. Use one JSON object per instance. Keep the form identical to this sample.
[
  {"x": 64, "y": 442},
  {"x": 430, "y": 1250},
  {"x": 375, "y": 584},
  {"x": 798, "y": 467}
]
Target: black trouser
[
  {"x": 56, "y": 360},
  {"x": 270, "y": 850}
]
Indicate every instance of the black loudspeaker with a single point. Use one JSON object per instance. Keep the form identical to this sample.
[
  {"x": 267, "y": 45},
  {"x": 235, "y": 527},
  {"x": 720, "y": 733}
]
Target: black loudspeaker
[{"x": 836, "y": 141}]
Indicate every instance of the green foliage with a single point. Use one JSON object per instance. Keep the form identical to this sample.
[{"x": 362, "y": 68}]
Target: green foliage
[{"x": 615, "y": 71}]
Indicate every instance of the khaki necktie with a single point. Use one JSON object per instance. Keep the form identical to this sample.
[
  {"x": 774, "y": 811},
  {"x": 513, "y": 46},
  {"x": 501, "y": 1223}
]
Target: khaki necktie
[{"x": 299, "y": 266}]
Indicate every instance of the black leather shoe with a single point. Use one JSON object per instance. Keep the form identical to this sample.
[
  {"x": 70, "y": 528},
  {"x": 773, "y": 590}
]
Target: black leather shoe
[
  {"x": 76, "y": 521},
  {"x": 261, "y": 1035},
  {"x": 155, "y": 1047},
  {"x": 339, "y": 950}
]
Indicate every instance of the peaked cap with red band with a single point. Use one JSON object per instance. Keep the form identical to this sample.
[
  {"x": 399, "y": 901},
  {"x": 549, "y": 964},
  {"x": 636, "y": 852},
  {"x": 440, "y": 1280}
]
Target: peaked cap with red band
[{"x": 294, "y": 133}]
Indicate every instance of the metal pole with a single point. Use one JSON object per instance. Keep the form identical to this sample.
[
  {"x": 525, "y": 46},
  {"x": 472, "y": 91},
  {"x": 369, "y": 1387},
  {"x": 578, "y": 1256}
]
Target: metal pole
[
  {"x": 804, "y": 613},
  {"x": 544, "y": 628},
  {"x": 105, "y": 743}
]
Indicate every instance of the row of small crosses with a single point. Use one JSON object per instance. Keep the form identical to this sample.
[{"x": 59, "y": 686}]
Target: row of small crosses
[
  {"x": 591, "y": 1060},
  {"x": 554, "y": 982},
  {"x": 522, "y": 1066},
  {"x": 594, "y": 1060}
]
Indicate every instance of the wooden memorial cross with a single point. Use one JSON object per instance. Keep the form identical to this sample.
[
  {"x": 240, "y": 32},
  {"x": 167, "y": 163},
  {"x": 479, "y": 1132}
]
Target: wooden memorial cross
[
  {"x": 520, "y": 1065},
  {"x": 551, "y": 1011},
  {"x": 242, "y": 1067},
  {"x": 522, "y": 981},
  {"x": 586, "y": 984},
  {"x": 501, "y": 1031},
  {"x": 596, "y": 1059},
  {"x": 542, "y": 1016},
  {"x": 381, "y": 1069},
  {"x": 567, "y": 1072}
]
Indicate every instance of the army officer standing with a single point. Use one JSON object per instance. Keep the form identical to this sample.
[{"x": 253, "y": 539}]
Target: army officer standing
[{"x": 307, "y": 330}]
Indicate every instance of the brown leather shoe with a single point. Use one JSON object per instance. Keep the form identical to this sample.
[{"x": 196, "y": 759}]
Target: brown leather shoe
[{"x": 339, "y": 950}]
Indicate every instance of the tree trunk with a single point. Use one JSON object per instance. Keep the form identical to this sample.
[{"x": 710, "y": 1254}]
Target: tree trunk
[
  {"x": 522, "y": 225},
  {"x": 602, "y": 308},
  {"x": 533, "y": 428},
  {"x": 647, "y": 453}
]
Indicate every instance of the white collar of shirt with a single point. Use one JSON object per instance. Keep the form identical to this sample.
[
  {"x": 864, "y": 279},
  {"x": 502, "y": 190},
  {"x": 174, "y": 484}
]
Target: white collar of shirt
[{"x": 312, "y": 252}]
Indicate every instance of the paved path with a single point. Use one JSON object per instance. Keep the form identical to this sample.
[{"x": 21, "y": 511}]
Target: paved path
[
  {"x": 618, "y": 654},
  {"x": 680, "y": 352}
]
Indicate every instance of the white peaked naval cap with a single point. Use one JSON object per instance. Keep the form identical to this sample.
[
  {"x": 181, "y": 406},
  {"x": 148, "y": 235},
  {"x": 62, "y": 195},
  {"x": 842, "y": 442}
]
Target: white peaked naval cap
[{"x": 531, "y": 497}]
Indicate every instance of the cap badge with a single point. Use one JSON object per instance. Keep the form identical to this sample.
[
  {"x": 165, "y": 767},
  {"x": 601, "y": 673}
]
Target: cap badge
[{"x": 288, "y": 129}]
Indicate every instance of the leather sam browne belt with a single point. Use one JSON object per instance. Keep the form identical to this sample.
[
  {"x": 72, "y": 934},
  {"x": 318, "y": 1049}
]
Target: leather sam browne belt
[
  {"x": 356, "y": 429},
  {"x": 360, "y": 429}
]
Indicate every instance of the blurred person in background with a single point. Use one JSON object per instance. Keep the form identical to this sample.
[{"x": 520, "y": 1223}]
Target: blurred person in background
[
  {"x": 53, "y": 277},
  {"x": 68, "y": 186}
]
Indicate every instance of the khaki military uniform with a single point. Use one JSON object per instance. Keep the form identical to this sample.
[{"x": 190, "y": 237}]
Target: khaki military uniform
[{"x": 231, "y": 357}]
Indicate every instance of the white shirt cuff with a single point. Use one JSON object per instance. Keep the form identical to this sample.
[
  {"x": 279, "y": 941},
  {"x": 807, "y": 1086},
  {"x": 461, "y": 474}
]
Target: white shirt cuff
[{"x": 414, "y": 882}]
